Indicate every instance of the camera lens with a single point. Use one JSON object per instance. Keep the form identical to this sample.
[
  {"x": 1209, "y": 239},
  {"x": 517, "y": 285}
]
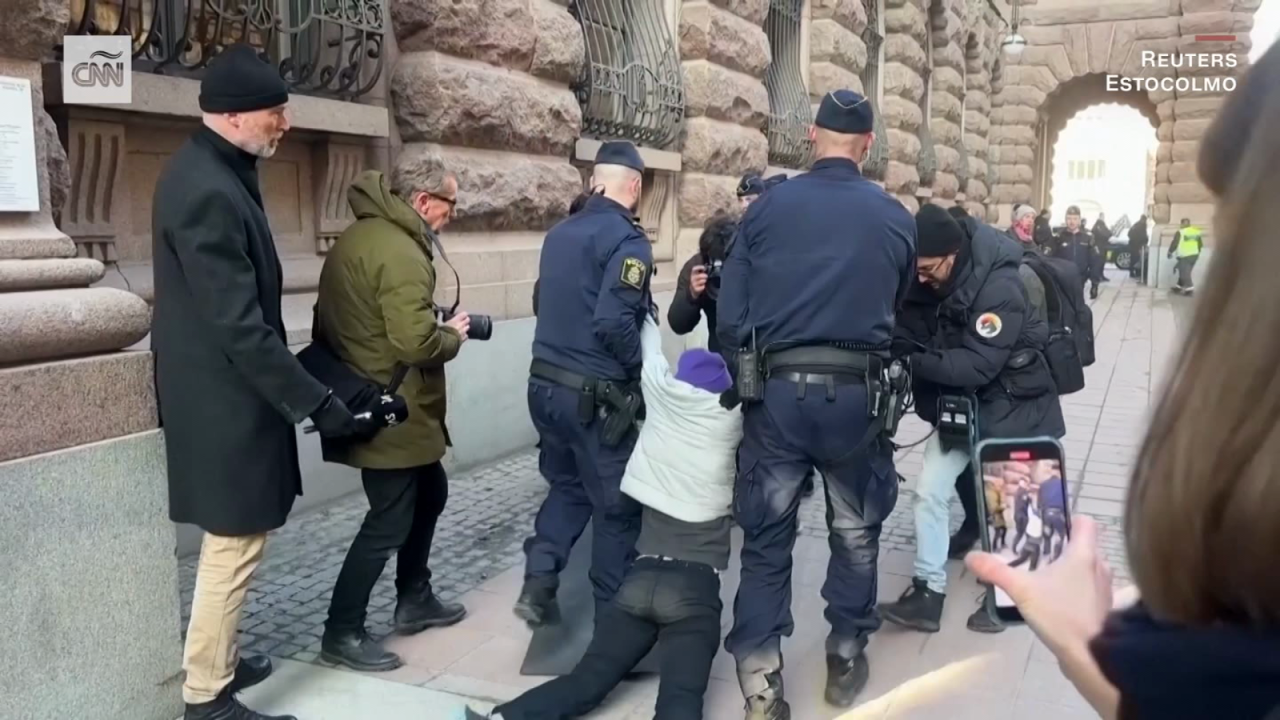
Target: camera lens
[{"x": 481, "y": 327}]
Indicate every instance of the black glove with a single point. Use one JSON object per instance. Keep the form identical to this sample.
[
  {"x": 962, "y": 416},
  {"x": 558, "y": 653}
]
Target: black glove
[
  {"x": 334, "y": 420},
  {"x": 729, "y": 398}
]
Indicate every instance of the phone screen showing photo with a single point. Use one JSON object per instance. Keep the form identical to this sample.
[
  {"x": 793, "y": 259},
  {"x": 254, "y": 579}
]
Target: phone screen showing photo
[{"x": 1024, "y": 493}]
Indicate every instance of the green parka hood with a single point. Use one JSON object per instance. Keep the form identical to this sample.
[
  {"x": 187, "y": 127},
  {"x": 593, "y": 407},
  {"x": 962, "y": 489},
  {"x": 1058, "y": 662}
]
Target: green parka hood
[{"x": 370, "y": 196}]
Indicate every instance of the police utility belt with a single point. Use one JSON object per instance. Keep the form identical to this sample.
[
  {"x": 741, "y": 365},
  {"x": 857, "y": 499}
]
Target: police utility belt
[
  {"x": 887, "y": 381},
  {"x": 620, "y": 403}
]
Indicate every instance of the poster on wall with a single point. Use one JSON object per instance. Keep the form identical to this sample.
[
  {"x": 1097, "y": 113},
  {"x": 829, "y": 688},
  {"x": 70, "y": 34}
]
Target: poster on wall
[{"x": 19, "y": 184}]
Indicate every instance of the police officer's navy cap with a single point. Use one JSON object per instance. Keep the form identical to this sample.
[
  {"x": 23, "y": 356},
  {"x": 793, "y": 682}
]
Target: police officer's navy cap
[
  {"x": 845, "y": 111},
  {"x": 620, "y": 152}
]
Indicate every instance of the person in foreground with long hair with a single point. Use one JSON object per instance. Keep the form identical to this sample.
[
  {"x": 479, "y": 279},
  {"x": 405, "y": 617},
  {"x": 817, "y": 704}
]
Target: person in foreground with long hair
[{"x": 1204, "y": 640}]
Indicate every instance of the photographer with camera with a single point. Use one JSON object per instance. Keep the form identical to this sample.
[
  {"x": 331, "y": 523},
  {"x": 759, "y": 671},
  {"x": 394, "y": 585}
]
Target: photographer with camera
[
  {"x": 975, "y": 343},
  {"x": 698, "y": 284},
  {"x": 375, "y": 312}
]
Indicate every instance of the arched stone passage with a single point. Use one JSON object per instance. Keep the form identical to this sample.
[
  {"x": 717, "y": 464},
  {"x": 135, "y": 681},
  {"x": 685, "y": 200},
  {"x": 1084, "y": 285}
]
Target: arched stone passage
[
  {"x": 1064, "y": 103},
  {"x": 1066, "y": 42}
]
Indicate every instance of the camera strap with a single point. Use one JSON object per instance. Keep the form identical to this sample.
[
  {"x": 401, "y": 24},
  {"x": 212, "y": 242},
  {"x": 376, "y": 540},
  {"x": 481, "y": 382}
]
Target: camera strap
[{"x": 457, "y": 281}]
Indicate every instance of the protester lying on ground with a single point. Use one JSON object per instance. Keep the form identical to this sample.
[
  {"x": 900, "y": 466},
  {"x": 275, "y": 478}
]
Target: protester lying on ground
[
  {"x": 1201, "y": 517},
  {"x": 682, "y": 472}
]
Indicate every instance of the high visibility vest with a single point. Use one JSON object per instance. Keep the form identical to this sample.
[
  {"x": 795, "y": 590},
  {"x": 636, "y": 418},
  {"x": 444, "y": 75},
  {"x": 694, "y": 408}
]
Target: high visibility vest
[{"x": 1189, "y": 242}]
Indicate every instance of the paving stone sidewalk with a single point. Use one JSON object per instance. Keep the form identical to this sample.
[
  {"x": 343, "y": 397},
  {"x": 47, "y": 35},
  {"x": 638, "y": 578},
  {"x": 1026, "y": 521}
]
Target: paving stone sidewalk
[{"x": 491, "y": 508}]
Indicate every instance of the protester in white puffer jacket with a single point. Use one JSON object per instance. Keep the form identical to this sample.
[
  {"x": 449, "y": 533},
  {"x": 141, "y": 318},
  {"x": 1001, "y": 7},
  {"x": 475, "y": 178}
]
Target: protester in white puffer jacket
[
  {"x": 682, "y": 471},
  {"x": 684, "y": 461}
]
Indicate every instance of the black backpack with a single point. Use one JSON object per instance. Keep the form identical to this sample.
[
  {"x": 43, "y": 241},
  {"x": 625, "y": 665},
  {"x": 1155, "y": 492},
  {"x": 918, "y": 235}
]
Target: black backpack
[{"x": 1070, "y": 347}]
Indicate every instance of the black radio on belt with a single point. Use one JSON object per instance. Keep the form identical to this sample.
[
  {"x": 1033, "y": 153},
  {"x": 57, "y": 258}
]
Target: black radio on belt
[
  {"x": 957, "y": 423},
  {"x": 750, "y": 376}
]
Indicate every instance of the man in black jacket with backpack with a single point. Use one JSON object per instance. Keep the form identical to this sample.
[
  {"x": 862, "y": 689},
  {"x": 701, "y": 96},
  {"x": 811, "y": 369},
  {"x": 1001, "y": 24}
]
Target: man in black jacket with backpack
[{"x": 968, "y": 330}]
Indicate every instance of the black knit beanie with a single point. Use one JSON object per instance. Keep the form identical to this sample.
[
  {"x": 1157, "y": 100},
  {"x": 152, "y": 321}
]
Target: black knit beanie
[
  {"x": 237, "y": 80},
  {"x": 937, "y": 233}
]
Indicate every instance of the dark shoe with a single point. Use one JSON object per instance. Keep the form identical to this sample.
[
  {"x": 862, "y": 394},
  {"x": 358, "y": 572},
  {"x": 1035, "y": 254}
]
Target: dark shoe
[
  {"x": 760, "y": 708},
  {"x": 769, "y": 705},
  {"x": 227, "y": 707},
  {"x": 962, "y": 542},
  {"x": 807, "y": 488},
  {"x": 249, "y": 672},
  {"x": 846, "y": 677},
  {"x": 417, "y": 613},
  {"x": 356, "y": 650},
  {"x": 470, "y": 714},
  {"x": 919, "y": 608},
  {"x": 537, "y": 605},
  {"x": 983, "y": 620}
]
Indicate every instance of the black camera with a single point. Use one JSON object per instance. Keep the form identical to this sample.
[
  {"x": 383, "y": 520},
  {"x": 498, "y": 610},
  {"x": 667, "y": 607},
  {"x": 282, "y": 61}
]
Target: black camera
[
  {"x": 481, "y": 325},
  {"x": 713, "y": 269}
]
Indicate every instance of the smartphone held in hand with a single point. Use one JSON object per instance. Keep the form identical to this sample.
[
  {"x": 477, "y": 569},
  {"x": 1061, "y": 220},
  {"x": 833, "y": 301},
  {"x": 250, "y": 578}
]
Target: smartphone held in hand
[{"x": 1022, "y": 488}]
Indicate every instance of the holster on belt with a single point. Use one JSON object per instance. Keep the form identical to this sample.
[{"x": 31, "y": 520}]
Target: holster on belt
[{"x": 622, "y": 404}]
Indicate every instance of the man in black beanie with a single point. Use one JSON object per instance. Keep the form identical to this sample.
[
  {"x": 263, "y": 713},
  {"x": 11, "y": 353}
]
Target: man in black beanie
[
  {"x": 967, "y": 330},
  {"x": 230, "y": 391}
]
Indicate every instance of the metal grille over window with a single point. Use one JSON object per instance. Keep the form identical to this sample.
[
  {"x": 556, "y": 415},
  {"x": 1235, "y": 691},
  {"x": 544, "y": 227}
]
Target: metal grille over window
[
  {"x": 631, "y": 86},
  {"x": 962, "y": 167},
  {"x": 789, "y": 112},
  {"x": 878, "y": 159},
  {"x": 321, "y": 47},
  {"x": 991, "y": 176}
]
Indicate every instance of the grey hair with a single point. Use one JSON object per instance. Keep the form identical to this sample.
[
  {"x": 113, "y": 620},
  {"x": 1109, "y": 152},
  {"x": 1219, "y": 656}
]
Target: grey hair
[{"x": 407, "y": 180}]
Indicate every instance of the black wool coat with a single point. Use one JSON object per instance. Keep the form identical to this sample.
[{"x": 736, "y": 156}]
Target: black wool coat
[{"x": 230, "y": 390}]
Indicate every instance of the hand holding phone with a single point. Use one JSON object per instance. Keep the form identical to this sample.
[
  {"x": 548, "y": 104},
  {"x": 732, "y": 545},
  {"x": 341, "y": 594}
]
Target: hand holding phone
[{"x": 1025, "y": 518}]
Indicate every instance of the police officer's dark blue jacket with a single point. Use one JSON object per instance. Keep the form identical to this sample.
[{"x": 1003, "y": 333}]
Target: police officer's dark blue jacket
[
  {"x": 822, "y": 258},
  {"x": 593, "y": 292},
  {"x": 976, "y": 328}
]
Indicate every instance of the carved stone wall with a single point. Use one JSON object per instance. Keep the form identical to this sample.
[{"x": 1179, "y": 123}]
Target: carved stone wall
[
  {"x": 724, "y": 53},
  {"x": 482, "y": 88}
]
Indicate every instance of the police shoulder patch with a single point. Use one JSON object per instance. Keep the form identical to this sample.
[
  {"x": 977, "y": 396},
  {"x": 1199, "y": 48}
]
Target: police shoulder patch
[
  {"x": 989, "y": 325},
  {"x": 634, "y": 271}
]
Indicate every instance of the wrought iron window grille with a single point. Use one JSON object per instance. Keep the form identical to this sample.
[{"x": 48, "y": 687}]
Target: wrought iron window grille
[
  {"x": 321, "y": 47},
  {"x": 962, "y": 168},
  {"x": 631, "y": 85},
  {"x": 789, "y": 112},
  {"x": 877, "y": 162}
]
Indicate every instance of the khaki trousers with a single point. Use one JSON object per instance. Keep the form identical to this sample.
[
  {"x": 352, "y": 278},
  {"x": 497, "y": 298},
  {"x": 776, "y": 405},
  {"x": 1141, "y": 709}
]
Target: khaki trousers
[{"x": 222, "y": 578}]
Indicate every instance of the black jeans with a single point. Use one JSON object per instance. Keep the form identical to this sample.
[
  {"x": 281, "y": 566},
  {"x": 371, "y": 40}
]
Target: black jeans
[
  {"x": 403, "y": 508},
  {"x": 670, "y": 602}
]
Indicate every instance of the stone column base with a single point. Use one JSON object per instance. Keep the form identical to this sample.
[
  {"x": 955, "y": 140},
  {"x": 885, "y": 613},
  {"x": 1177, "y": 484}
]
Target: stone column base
[{"x": 89, "y": 600}]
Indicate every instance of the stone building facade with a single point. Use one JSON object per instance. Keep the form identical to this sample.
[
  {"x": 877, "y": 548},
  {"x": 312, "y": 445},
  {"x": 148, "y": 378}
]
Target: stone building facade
[{"x": 515, "y": 96}]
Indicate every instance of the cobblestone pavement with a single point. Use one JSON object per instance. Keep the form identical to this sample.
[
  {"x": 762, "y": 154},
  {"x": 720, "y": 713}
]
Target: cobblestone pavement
[{"x": 491, "y": 508}]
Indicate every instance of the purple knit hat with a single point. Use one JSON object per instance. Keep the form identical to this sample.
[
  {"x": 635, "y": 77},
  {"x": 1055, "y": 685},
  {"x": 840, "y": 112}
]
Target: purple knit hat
[{"x": 704, "y": 370}]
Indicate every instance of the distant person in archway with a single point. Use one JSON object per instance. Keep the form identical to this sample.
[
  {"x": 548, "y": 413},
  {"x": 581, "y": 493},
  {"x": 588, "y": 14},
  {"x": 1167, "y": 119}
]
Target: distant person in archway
[
  {"x": 1187, "y": 243},
  {"x": 1101, "y": 240},
  {"x": 1076, "y": 245},
  {"x": 1043, "y": 232},
  {"x": 1137, "y": 246}
]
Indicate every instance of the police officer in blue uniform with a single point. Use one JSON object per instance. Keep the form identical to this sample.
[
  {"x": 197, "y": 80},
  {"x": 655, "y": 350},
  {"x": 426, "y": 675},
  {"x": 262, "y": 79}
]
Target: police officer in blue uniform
[
  {"x": 593, "y": 295},
  {"x": 812, "y": 284}
]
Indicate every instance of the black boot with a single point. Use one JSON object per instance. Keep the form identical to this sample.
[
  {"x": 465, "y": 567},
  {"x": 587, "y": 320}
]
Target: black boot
[
  {"x": 537, "y": 604},
  {"x": 356, "y": 650},
  {"x": 846, "y": 677},
  {"x": 249, "y": 672},
  {"x": 769, "y": 705},
  {"x": 421, "y": 610},
  {"x": 807, "y": 488},
  {"x": 919, "y": 608},
  {"x": 984, "y": 620},
  {"x": 226, "y": 707}
]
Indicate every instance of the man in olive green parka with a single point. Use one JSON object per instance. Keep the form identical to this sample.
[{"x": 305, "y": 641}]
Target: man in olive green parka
[{"x": 375, "y": 309}]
